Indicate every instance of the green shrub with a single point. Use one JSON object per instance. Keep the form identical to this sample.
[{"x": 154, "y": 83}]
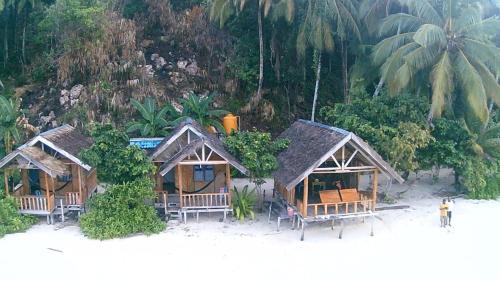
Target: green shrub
[
  {"x": 482, "y": 178},
  {"x": 122, "y": 211},
  {"x": 115, "y": 160},
  {"x": 243, "y": 203},
  {"x": 10, "y": 219}
]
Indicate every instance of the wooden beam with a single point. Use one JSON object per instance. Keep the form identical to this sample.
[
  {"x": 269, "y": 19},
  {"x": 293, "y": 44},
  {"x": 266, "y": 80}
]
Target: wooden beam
[
  {"x": 25, "y": 181},
  {"x": 228, "y": 182},
  {"x": 350, "y": 158},
  {"x": 80, "y": 184},
  {"x": 375, "y": 187},
  {"x": 218, "y": 162},
  {"x": 179, "y": 182},
  {"x": 47, "y": 188},
  {"x": 345, "y": 169},
  {"x": 306, "y": 195}
]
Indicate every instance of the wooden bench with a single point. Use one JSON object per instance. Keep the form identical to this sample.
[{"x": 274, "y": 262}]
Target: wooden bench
[
  {"x": 330, "y": 196},
  {"x": 349, "y": 195}
]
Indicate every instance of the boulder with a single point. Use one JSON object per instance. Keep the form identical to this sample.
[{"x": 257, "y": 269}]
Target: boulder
[{"x": 76, "y": 91}]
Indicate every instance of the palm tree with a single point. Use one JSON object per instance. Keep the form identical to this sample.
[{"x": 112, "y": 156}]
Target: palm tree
[
  {"x": 222, "y": 10},
  {"x": 200, "y": 109},
  {"x": 12, "y": 123},
  {"x": 450, "y": 43},
  {"x": 323, "y": 20},
  {"x": 153, "y": 122}
]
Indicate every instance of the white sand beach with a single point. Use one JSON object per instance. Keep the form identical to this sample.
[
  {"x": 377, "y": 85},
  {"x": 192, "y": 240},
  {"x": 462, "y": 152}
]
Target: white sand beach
[{"x": 408, "y": 245}]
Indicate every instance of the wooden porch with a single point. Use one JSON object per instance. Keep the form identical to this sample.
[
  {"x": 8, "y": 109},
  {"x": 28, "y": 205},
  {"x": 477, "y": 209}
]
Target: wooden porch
[{"x": 193, "y": 203}]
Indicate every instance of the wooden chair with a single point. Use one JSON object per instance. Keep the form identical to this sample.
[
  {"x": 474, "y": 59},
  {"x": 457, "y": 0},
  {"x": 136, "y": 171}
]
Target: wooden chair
[
  {"x": 349, "y": 195},
  {"x": 330, "y": 196}
]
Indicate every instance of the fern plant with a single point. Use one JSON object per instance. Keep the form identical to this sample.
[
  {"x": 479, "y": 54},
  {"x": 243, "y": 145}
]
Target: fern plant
[{"x": 243, "y": 203}]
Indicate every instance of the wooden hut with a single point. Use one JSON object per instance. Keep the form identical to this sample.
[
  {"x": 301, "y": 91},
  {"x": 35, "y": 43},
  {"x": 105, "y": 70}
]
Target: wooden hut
[
  {"x": 194, "y": 171},
  {"x": 52, "y": 175},
  {"x": 318, "y": 173}
]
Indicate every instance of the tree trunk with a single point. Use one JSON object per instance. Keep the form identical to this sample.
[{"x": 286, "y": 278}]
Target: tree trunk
[
  {"x": 316, "y": 87},
  {"x": 379, "y": 87},
  {"x": 344, "y": 72},
  {"x": 5, "y": 41},
  {"x": 261, "y": 50}
]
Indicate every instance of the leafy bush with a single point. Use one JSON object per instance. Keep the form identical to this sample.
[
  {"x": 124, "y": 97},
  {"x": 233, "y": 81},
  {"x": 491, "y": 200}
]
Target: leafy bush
[
  {"x": 10, "y": 219},
  {"x": 115, "y": 160},
  {"x": 482, "y": 178},
  {"x": 395, "y": 127},
  {"x": 121, "y": 211},
  {"x": 243, "y": 203},
  {"x": 256, "y": 151}
]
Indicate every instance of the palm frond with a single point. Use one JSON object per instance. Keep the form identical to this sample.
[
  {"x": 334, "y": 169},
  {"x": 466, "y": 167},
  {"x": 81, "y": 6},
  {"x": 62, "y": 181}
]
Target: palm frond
[
  {"x": 424, "y": 10},
  {"x": 490, "y": 83},
  {"x": 472, "y": 87},
  {"x": 399, "y": 22},
  {"x": 483, "y": 51},
  {"x": 469, "y": 16},
  {"x": 422, "y": 57},
  {"x": 430, "y": 35},
  {"x": 385, "y": 48},
  {"x": 442, "y": 83},
  {"x": 392, "y": 64}
]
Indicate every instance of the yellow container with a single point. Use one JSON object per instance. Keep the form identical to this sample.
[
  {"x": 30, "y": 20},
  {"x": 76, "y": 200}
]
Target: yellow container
[{"x": 231, "y": 123}]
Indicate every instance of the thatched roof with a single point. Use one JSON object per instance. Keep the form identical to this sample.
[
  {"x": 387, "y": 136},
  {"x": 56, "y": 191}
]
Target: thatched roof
[
  {"x": 182, "y": 150},
  {"x": 187, "y": 124},
  {"x": 311, "y": 144},
  {"x": 68, "y": 139},
  {"x": 65, "y": 140},
  {"x": 192, "y": 147},
  {"x": 31, "y": 155}
]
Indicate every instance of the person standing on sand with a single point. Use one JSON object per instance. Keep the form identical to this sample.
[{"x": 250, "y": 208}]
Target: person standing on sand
[
  {"x": 451, "y": 205},
  {"x": 443, "y": 211}
]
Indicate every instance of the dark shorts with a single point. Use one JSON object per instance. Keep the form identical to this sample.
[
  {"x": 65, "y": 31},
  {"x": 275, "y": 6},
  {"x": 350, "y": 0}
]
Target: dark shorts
[{"x": 449, "y": 214}]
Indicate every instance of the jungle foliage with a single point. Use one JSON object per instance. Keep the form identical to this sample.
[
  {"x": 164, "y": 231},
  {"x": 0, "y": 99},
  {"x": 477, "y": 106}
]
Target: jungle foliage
[
  {"x": 116, "y": 161},
  {"x": 417, "y": 79}
]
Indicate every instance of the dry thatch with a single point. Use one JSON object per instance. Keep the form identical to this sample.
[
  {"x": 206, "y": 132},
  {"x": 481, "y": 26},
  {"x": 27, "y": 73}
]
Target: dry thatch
[
  {"x": 310, "y": 143},
  {"x": 31, "y": 155},
  {"x": 68, "y": 139}
]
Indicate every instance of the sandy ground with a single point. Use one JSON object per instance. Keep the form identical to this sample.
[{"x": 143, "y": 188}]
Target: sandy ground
[{"x": 408, "y": 245}]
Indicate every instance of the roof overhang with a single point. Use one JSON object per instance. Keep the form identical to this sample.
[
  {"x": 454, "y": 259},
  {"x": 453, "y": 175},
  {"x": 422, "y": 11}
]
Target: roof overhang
[
  {"x": 38, "y": 158},
  {"x": 59, "y": 150},
  {"x": 191, "y": 148}
]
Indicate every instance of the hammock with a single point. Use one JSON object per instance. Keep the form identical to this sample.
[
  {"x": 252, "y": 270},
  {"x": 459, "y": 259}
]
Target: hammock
[{"x": 201, "y": 189}]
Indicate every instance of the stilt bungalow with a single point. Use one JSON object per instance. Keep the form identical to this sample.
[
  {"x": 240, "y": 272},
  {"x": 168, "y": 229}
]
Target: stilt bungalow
[
  {"x": 319, "y": 174},
  {"x": 194, "y": 172},
  {"x": 53, "y": 178}
]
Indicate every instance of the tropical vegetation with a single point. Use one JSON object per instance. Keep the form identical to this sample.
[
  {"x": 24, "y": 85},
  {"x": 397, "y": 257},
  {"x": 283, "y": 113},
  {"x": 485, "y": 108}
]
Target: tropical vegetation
[
  {"x": 417, "y": 79},
  {"x": 121, "y": 211},
  {"x": 10, "y": 219},
  {"x": 243, "y": 203}
]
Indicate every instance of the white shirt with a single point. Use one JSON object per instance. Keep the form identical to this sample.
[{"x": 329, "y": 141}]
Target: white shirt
[{"x": 451, "y": 205}]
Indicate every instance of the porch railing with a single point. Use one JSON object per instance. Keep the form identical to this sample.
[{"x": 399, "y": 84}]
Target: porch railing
[
  {"x": 35, "y": 204},
  {"x": 206, "y": 200},
  {"x": 72, "y": 198},
  {"x": 340, "y": 208}
]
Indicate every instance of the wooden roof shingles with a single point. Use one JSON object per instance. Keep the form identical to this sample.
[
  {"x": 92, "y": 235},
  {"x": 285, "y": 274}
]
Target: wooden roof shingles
[{"x": 311, "y": 144}]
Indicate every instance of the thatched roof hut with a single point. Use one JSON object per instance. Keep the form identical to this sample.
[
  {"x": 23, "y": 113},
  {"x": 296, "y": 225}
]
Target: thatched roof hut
[
  {"x": 179, "y": 145},
  {"x": 64, "y": 140},
  {"x": 311, "y": 144}
]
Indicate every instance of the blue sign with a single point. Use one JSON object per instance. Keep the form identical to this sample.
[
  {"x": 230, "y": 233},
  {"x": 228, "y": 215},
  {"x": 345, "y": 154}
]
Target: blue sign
[{"x": 146, "y": 143}]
